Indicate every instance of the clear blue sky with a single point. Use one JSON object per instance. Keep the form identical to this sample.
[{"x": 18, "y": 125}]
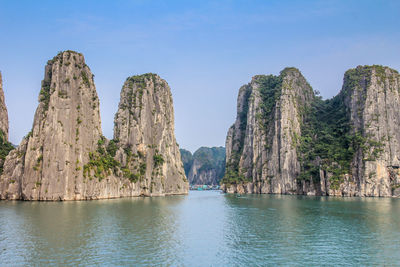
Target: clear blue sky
[{"x": 204, "y": 49}]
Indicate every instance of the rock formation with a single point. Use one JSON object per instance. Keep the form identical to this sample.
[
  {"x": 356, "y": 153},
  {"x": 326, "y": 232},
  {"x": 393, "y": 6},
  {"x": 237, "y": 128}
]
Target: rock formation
[
  {"x": 187, "y": 160},
  {"x": 286, "y": 140},
  {"x": 207, "y": 165},
  {"x": 65, "y": 156},
  {"x": 3, "y": 112},
  {"x": 5, "y": 146},
  {"x": 144, "y": 129}
]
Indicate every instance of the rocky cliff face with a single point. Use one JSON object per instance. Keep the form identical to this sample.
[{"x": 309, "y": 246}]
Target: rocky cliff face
[
  {"x": 65, "y": 156},
  {"x": 144, "y": 129},
  {"x": 3, "y": 112},
  {"x": 372, "y": 96},
  {"x": 287, "y": 140},
  {"x": 261, "y": 146},
  {"x": 47, "y": 164},
  {"x": 5, "y": 146},
  {"x": 187, "y": 160},
  {"x": 207, "y": 166}
]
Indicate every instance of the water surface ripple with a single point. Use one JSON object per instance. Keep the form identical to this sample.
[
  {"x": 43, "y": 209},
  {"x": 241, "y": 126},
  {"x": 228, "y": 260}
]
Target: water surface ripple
[{"x": 202, "y": 229}]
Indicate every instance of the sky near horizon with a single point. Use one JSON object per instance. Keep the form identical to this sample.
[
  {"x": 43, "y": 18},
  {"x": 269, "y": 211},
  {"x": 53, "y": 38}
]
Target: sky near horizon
[{"x": 205, "y": 50}]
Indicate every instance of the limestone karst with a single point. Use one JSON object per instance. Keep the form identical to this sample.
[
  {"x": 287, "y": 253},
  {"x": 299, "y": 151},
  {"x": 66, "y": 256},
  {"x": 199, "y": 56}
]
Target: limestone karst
[
  {"x": 287, "y": 140},
  {"x": 5, "y": 146},
  {"x": 206, "y": 166},
  {"x": 66, "y": 157},
  {"x": 144, "y": 128},
  {"x": 3, "y": 112}
]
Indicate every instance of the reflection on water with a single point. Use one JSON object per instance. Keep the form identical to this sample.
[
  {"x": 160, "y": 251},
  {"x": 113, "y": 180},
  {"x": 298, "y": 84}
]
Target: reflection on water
[{"x": 202, "y": 229}]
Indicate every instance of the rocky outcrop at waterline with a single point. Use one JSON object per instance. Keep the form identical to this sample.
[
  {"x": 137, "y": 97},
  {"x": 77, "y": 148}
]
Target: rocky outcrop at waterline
[
  {"x": 287, "y": 140},
  {"x": 66, "y": 157},
  {"x": 206, "y": 166}
]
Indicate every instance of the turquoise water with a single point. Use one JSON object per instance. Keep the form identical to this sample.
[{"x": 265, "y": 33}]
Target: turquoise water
[{"x": 206, "y": 228}]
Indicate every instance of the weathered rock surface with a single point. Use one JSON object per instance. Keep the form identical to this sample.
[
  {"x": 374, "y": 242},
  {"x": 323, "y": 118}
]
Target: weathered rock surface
[
  {"x": 207, "y": 166},
  {"x": 372, "y": 95},
  {"x": 5, "y": 146},
  {"x": 260, "y": 145},
  {"x": 65, "y": 156},
  {"x": 144, "y": 126},
  {"x": 187, "y": 160},
  {"x": 286, "y": 140},
  {"x": 3, "y": 112}
]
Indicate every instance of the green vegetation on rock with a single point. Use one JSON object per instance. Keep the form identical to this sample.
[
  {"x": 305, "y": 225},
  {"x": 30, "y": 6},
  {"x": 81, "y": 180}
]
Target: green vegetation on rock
[
  {"x": 270, "y": 88},
  {"x": 137, "y": 85},
  {"x": 85, "y": 78},
  {"x": 44, "y": 95},
  {"x": 232, "y": 174},
  {"x": 101, "y": 162},
  {"x": 207, "y": 164},
  {"x": 328, "y": 139},
  {"x": 325, "y": 140},
  {"x": 211, "y": 159},
  {"x": 187, "y": 160},
  {"x": 158, "y": 160},
  {"x": 5, "y": 148}
]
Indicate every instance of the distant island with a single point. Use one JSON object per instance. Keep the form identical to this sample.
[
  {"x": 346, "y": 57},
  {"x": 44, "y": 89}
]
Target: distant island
[{"x": 205, "y": 167}]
